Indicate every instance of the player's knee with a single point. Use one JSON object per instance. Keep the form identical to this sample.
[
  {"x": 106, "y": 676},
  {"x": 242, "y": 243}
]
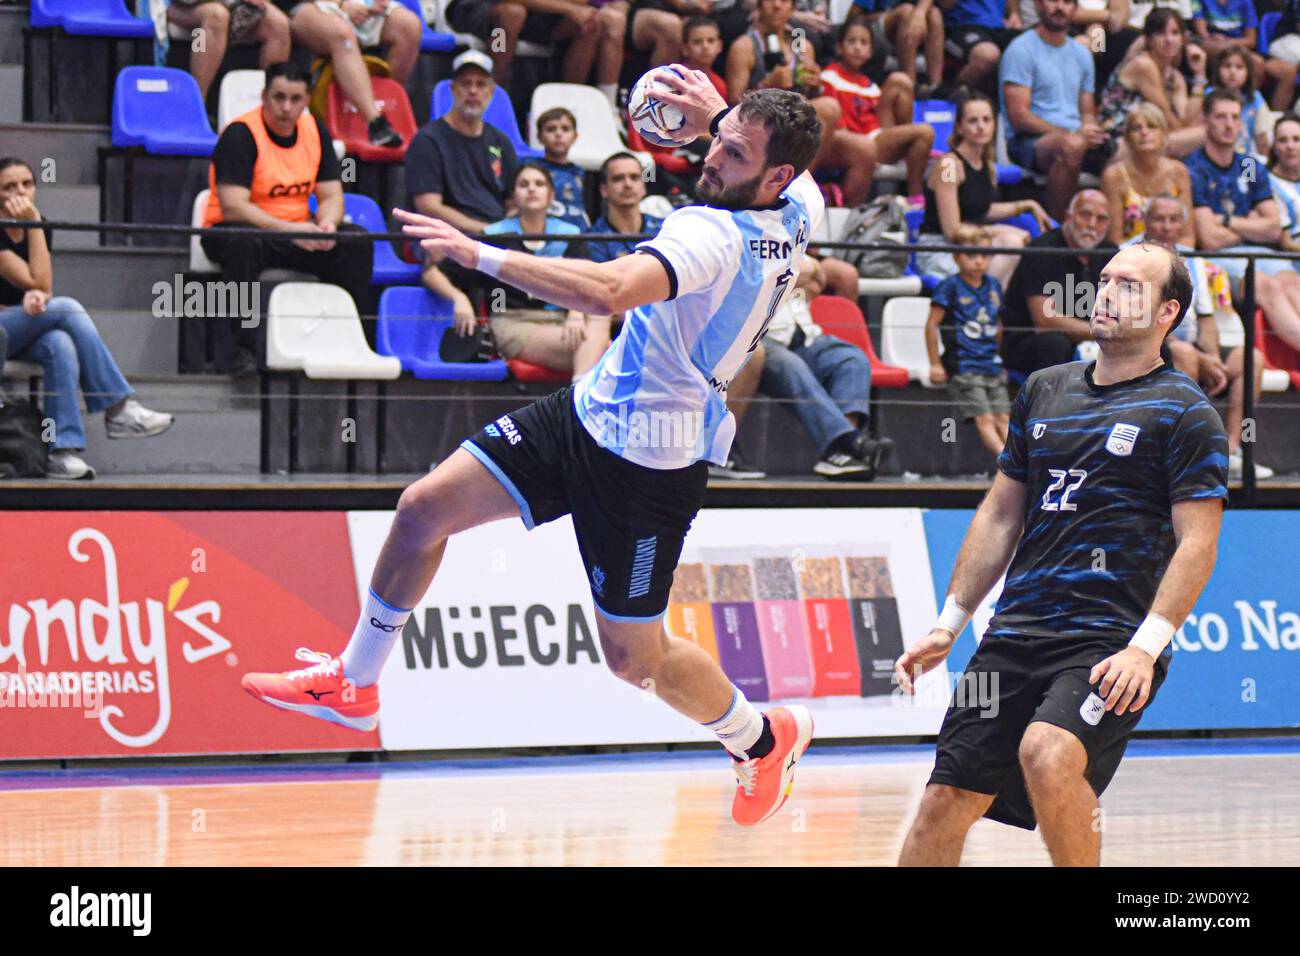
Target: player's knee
[
  {"x": 633, "y": 661},
  {"x": 943, "y": 807},
  {"x": 1049, "y": 757},
  {"x": 420, "y": 506}
]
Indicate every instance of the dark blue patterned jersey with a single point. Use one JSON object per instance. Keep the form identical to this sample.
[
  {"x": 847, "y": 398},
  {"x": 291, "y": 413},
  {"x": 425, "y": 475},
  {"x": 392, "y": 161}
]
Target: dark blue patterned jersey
[{"x": 1103, "y": 466}]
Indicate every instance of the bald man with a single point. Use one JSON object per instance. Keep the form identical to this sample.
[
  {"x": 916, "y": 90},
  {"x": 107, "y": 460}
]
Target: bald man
[{"x": 1050, "y": 297}]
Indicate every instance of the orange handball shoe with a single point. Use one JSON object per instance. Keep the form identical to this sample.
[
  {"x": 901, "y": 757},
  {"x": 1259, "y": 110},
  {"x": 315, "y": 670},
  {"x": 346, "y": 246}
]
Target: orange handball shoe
[
  {"x": 762, "y": 784},
  {"x": 318, "y": 691}
]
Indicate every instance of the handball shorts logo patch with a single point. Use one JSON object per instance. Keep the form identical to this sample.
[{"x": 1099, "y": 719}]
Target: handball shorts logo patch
[
  {"x": 1122, "y": 439},
  {"x": 1092, "y": 710},
  {"x": 1039, "y": 428}
]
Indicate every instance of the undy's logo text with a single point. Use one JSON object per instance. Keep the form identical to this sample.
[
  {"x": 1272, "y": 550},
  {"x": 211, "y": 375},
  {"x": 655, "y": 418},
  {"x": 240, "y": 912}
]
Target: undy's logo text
[{"x": 110, "y": 633}]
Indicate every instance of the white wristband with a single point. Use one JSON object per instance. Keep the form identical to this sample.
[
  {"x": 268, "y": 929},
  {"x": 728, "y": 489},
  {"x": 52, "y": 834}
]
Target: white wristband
[
  {"x": 490, "y": 259},
  {"x": 1153, "y": 635},
  {"x": 953, "y": 617}
]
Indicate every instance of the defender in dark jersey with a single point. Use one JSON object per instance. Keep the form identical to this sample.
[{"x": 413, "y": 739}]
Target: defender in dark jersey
[{"x": 1110, "y": 494}]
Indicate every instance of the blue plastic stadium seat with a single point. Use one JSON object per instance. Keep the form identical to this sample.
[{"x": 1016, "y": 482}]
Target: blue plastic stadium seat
[
  {"x": 365, "y": 212},
  {"x": 500, "y": 113},
  {"x": 939, "y": 115},
  {"x": 161, "y": 110},
  {"x": 431, "y": 41},
  {"x": 412, "y": 322},
  {"x": 1267, "y": 24},
  {"x": 96, "y": 18}
]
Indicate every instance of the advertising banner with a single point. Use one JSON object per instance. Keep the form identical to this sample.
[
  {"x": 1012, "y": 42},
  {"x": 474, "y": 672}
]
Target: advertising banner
[
  {"x": 807, "y": 605},
  {"x": 126, "y": 633}
]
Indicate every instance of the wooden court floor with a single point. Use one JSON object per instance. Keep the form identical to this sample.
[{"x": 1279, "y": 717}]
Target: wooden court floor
[{"x": 1168, "y": 806}]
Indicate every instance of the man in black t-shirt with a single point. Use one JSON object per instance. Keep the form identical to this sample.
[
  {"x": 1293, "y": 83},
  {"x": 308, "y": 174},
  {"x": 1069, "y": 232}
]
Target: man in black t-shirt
[
  {"x": 459, "y": 169},
  {"x": 1049, "y": 298},
  {"x": 1107, "y": 508},
  {"x": 271, "y": 192}
]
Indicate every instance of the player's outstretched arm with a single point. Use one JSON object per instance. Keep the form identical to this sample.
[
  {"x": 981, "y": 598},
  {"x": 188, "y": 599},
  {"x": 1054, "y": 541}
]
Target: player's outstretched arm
[
  {"x": 604, "y": 288},
  {"x": 1126, "y": 677},
  {"x": 985, "y": 553}
]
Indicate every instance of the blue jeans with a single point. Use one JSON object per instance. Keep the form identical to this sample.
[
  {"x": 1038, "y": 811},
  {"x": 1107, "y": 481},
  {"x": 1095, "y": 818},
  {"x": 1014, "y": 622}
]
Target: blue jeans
[
  {"x": 65, "y": 343},
  {"x": 827, "y": 380}
]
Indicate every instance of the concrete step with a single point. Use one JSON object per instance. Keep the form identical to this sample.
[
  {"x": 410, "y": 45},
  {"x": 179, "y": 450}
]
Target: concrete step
[
  {"x": 13, "y": 19},
  {"x": 62, "y": 154},
  {"x": 71, "y": 204},
  {"x": 11, "y": 92}
]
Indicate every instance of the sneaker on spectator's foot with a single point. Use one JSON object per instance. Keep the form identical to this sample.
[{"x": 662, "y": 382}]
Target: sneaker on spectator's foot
[
  {"x": 764, "y": 783},
  {"x": 67, "y": 465},
  {"x": 1236, "y": 468},
  {"x": 841, "y": 466},
  {"x": 245, "y": 365},
  {"x": 319, "y": 690},
  {"x": 133, "y": 420},
  {"x": 380, "y": 133},
  {"x": 871, "y": 450},
  {"x": 736, "y": 468}
]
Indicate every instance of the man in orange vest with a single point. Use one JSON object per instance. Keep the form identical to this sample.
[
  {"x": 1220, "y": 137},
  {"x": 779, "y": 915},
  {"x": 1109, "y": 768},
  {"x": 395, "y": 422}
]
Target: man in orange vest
[{"x": 265, "y": 168}]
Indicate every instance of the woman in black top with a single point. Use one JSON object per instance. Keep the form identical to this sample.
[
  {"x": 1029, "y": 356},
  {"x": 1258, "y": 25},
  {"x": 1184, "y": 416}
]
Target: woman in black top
[
  {"x": 962, "y": 189},
  {"x": 56, "y": 333}
]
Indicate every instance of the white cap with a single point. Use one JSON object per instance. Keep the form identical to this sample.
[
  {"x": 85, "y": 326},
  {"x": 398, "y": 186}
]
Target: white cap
[{"x": 472, "y": 58}]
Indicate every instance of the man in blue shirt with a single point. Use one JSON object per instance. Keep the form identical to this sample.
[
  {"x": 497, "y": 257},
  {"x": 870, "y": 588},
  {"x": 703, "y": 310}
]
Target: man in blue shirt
[
  {"x": 622, "y": 188},
  {"x": 1046, "y": 90},
  {"x": 976, "y": 33}
]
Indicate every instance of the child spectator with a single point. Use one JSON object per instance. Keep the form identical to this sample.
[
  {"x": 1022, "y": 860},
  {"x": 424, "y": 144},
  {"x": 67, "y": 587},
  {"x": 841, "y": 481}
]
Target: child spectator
[
  {"x": 1231, "y": 71},
  {"x": 883, "y": 115},
  {"x": 701, "y": 46},
  {"x": 964, "y": 311},
  {"x": 557, "y": 129},
  {"x": 1219, "y": 23}
]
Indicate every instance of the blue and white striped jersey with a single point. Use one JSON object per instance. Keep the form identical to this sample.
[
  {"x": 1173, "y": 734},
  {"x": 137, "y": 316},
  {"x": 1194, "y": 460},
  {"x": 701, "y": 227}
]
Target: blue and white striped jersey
[{"x": 658, "y": 396}]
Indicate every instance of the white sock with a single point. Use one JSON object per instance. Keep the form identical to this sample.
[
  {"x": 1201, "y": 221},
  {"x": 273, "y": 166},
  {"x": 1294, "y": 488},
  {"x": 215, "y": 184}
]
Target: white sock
[
  {"x": 611, "y": 92},
  {"x": 740, "y": 727},
  {"x": 377, "y": 630}
]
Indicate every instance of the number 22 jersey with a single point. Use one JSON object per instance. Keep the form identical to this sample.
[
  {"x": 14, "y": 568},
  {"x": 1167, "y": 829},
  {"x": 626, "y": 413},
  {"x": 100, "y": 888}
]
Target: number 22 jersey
[{"x": 1103, "y": 465}]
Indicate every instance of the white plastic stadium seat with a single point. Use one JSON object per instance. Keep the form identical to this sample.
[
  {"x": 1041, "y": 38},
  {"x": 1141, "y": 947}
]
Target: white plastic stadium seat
[
  {"x": 902, "y": 337},
  {"x": 838, "y": 10},
  {"x": 832, "y": 228},
  {"x": 314, "y": 327},
  {"x": 199, "y": 261},
  {"x": 241, "y": 90},
  {"x": 598, "y": 136}
]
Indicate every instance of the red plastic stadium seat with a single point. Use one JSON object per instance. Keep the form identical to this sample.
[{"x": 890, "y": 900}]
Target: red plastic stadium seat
[
  {"x": 523, "y": 371},
  {"x": 1276, "y": 352},
  {"x": 347, "y": 124},
  {"x": 843, "y": 319}
]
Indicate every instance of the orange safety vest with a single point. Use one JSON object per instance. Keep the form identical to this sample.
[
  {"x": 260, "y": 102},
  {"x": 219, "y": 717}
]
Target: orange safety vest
[{"x": 283, "y": 178}]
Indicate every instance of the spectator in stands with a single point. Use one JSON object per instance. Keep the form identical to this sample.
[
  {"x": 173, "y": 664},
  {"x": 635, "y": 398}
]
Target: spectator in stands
[
  {"x": 826, "y": 380},
  {"x": 1220, "y": 22},
  {"x": 56, "y": 333},
  {"x": 496, "y": 23},
  {"x": 654, "y": 27},
  {"x": 458, "y": 168},
  {"x": 622, "y": 189},
  {"x": 1050, "y": 297},
  {"x": 1230, "y": 70},
  {"x": 557, "y": 128},
  {"x": 225, "y": 24},
  {"x": 1285, "y": 44},
  {"x": 1144, "y": 171},
  {"x": 573, "y": 24},
  {"x": 340, "y": 31},
  {"x": 1104, "y": 30},
  {"x": 899, "y": 28},
  {"x": 882, "y": 113},
  {"x": 962, "y": 190},
  {"x": 1284, "y": 180},
  {"x": 701, "y": 47},
  {"x": 1046, "y": 86},
  {"x": 612, "y": 18},
  {"x": 1194, "y": 344},
  {"x": 767, "y": 57},
  {"x": 976, "y": 32},
  {"x": 265, "y": 167},
  {"x": 964, "y": 310},
  {"x": 528, "y": 328},
  {"x": 1235, "y": 211},
  {"x": 1153, "y": 76}
]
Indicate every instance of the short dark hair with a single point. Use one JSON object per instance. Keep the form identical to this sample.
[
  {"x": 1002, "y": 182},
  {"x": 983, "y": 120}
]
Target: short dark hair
[
  {"x": 1158, "y": 20},
  {"x": 604, "y": 167},
  {"x": 794, "y": 132},
  {"x": 10, "y": 161},
  {"x": 695, "y": 23},
  {"x": 555, "y": 113},
  {"x": 1177, "y": 285},
  {"x": 288, "y": 70},
  {"x": 532, "y": 164},
  {"x": 855, "y": 19},
  {"x": 1221, "y": 94}
]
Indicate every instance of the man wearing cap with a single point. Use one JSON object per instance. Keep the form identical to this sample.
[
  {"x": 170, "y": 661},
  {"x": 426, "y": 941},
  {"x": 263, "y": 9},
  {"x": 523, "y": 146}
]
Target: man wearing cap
[{"x": 459, "y": 168}]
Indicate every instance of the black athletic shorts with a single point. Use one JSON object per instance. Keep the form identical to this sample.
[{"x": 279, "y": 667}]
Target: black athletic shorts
[
  {"x": 961, "y": 40},
  {"x": 630, "y": 520},
  {"x": 1011, "y": 682}
]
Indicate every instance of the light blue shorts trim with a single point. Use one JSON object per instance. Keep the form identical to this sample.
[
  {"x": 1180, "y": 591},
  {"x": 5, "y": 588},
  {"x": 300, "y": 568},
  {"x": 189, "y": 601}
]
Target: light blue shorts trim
[{"x": 525, "y": 514}]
